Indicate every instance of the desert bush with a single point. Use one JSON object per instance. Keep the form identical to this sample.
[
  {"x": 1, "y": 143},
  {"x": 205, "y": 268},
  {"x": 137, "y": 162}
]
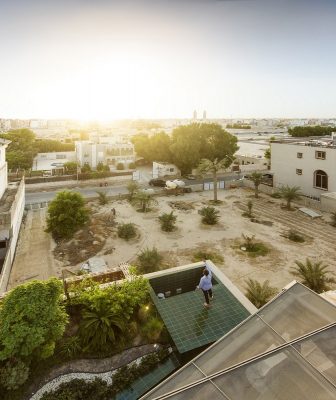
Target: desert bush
[
  {"x": 132, "y": 188},
  {"x": 168, "y": 221},
  {"x": 249, "y": 206},
  {"x": 131, "y": 165},
  {"x": 149, "y": 260},
  {"x": 252, "y": 247},
  {"x": 210, "y": 215},
  {"x": 120, "y": 166},
  {"x": 276, "y": 195},
  {"x": 127, "y": 231},
  {"x": 294, "y": 236}
]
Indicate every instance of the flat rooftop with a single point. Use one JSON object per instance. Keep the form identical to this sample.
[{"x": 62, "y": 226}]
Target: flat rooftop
[
  {"x": 324, "y": 141},
  {"x": 190, "y": 324},
  {"x": 8, "y": 198}
]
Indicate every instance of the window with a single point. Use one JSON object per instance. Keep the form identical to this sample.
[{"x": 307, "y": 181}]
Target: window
[
  {"x": 298, "y": 171},
  {"x": 299, "y": 155},
  {"x": 321, "y": 155},
  {"x": 171, "y": 169},
  {"x": 320, "y": 180}
]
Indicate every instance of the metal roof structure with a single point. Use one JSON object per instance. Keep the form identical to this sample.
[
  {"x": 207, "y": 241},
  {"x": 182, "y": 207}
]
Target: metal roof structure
[{"x": 285, "y": 350}]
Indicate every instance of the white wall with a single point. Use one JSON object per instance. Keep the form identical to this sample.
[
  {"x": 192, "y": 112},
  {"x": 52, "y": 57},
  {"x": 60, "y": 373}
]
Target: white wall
[
  {"x": 161, "y": 169},
  {"x": 284, "y": 163}
]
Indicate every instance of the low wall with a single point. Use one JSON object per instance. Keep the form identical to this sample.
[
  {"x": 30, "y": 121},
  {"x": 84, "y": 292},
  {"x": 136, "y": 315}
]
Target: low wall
[
  {"x": 262, "y": 188},
  {"x": 328, "y": 204},
  {"x": 6, "y": 268}
]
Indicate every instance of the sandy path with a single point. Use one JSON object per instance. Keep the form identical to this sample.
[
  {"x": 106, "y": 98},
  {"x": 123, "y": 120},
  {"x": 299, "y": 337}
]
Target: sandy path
[{"x": 34, "y": 258}]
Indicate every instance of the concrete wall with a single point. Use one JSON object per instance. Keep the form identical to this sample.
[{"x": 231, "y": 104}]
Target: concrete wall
[
  {"x": 262, "y": 188},
  {"x": 328, "y": 203},
  {"x": 284, "y": 163},
  {"x": 6, "y": 269}
]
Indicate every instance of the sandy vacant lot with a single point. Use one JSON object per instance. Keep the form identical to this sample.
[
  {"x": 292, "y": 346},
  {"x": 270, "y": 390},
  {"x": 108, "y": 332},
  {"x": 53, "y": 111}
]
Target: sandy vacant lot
[{"x": 178, "y": 247}]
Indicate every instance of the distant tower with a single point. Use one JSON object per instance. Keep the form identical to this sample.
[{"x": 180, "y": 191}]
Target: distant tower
[
  {"x": 204, "y": 114},
  {"x": 195, "y": 114}
]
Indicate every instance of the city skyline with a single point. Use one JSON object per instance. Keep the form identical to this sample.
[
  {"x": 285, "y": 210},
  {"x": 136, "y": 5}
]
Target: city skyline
[{"x": 160, "y": 60}]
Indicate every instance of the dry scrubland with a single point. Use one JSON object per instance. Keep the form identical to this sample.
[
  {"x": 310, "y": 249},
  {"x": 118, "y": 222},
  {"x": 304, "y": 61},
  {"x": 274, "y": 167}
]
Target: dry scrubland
[{"x": 39, "y": 257}]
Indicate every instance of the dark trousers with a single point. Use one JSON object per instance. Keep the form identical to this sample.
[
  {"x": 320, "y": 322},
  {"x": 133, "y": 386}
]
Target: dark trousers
[{"x": 207, "y": 293}]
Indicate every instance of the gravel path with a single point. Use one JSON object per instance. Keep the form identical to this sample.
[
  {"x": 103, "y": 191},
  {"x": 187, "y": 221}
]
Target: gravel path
[{"x": 89, "y": 369}]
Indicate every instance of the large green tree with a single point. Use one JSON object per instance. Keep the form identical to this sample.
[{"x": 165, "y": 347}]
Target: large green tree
[
  {"x": 32, "y": 320},
  {"x": 154, "y": 148},
  {"x": 66, "y": 214},
  {"x": 197, "y": 141}
]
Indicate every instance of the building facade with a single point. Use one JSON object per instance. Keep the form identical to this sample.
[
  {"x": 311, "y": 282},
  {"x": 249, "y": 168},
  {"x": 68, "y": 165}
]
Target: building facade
[
  {"x": 309, "y": 164},
  {"x": 162, "y": 169},
  {"x": 110, "y": 154},
  {"x": 12, "y": 200}
]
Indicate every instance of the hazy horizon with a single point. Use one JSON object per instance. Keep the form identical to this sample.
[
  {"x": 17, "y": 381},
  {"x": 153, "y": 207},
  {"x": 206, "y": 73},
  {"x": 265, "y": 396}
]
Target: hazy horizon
[{"x": 155, "y": 59}]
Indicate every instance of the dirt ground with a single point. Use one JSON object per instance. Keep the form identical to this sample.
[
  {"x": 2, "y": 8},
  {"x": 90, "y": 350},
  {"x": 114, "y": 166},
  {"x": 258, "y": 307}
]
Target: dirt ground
[{"x": 178, "y": 247}]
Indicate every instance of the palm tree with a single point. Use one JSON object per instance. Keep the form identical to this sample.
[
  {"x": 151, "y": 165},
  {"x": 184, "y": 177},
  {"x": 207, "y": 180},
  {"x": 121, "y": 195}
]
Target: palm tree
[
  {"x": 256, "y": 178},
  {"x": 132, "y": 188},
  {"x": 100, "y": 326},
  {"x": 213, "y": 166},
  {"x": 210, "y": 215},
  {"x": 168, "y": 221},
  {"x": 313, "y": 275},
  {"x": 290, "y": 194},
  {"x": 259, "y": 293},
  {"x": 144, "y": 200}
]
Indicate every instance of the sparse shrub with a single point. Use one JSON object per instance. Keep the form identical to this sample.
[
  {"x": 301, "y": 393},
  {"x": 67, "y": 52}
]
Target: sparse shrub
[
  {"x": 145, "y": 200},
  {"x": 127, "y": 231},
  {"x": 259, "y": 293},
  {"x": 249, "y": 206},
  {"x": 120, "y": 166},
  {"x": 132, "y": 188},
  {"x": 333, "y": 219},
  {"x": 294, "y": 236},
  {"x": 253, "y": 248},
  {"x": 131, "y": 165},
  {"x": 207, "y": 255},
  {"x": 210, "y": 215},
  {"x": 102, "y": 198},
  {"x": 149, "y": 260},
  {"x": 168, "y": 221},
  {"x": 152, "y": 329}
]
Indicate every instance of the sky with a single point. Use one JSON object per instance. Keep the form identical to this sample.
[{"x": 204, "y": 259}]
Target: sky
[{"x": 109, "y": 59}]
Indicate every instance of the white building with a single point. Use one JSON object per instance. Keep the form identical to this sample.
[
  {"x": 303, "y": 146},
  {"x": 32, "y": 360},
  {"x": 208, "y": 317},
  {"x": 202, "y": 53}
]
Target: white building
[
  {"x": 111, "y": 154},
  {"x": 53, "y": 161},
  {"x": 309, "y": 164},
  {"x": 251, "y": 156},
  {"x": 162, "y": 169},
  {"x": 12, "y": 198}
]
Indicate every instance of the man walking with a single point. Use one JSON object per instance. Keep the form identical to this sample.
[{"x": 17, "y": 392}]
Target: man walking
[{"x": 206, "y": 285}]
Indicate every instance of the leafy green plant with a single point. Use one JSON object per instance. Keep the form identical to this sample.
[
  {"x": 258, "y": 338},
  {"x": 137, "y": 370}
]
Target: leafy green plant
[
  {"x": 71, "y": 346},
  {"x": 86, "y": 168},
  {"x": 13, "y": 374},
  {"x": 127, "y": 231},
  {"x": 120, "y": 166},
  {"x": 149, "y": 260},
  {"x": 100, "y": 326},
  {"x": 102, "y": 198},
  {"x": 32, "y": 320},
  {"x": 66, "y": 214},
  {"x": 168, "y": 221},
  {"x": 314, "y": 275},
  {"x": 290, "y": 194},
  {"x": 152, "y": 329},
  {"x": 259, "y": 293},
  {"x": 210, "y": 215}
]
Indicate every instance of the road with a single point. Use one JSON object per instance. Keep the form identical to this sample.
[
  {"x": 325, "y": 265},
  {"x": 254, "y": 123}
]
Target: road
[{"x": 46, "y": 196}]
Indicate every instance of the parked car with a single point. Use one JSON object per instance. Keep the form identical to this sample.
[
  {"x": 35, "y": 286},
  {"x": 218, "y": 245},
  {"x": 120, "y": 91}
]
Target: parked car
[{"x": 157, "y": 182}]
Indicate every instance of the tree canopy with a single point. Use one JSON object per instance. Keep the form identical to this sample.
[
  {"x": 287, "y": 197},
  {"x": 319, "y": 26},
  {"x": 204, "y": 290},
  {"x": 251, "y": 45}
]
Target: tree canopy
[
  {"x": 32, "y": 319},
  {"x": 66, "y": 214},
  {"x": 188, "y": 145},
  {"x": 304, "y": 131}
]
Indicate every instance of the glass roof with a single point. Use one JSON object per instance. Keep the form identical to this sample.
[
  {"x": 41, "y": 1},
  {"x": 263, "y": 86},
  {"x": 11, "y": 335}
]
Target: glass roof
[{"x": 296, "y": 312}]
